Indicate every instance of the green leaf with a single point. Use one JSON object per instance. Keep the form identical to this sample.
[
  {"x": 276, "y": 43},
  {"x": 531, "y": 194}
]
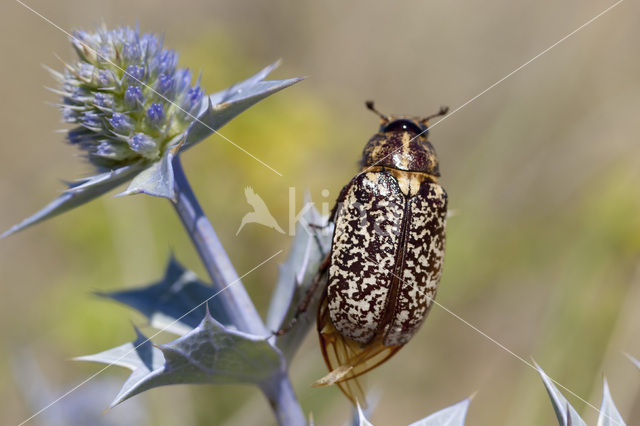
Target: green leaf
[
  {"x": 309, "y": 248},
  {"x": 78, "y": 193},
  {"x": 566, "y": 414},
  {"x": 176, "y": 303},
  {"x": 609, "y": 414},
  {"x": 223, "y": 106},
  {"x": 453, "y": 415},
  {"x": 211, "y": 353}
]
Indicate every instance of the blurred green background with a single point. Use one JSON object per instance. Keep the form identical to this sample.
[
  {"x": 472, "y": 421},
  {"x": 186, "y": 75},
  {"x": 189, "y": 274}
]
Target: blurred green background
[{"x": 542, "y": 172}]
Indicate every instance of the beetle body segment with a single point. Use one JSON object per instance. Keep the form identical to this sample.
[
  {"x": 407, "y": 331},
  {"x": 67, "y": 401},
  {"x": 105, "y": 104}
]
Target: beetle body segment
[{"x": 401, "y": 150}]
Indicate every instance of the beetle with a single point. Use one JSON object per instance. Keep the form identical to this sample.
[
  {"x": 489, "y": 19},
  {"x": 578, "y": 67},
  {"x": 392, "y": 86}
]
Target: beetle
[{"x": 386, "y": 255}]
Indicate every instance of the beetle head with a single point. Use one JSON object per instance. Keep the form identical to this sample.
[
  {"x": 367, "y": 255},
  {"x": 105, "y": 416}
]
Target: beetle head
[{"x": 401, "y": 143}]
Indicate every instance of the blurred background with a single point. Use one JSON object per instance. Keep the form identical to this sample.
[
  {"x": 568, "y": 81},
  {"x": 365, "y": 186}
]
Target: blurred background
[{"x": 542, "y": 172}]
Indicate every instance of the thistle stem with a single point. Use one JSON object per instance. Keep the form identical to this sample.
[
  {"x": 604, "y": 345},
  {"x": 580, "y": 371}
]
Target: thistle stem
[
  {"x": 233, "y": 296},
  {"x": 224, "y": 278},
  {"x": 283, "y": 400}
]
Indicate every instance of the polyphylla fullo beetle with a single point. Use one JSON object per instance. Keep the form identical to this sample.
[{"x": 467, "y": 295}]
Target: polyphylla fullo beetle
[{"x": 386, "y": 255}]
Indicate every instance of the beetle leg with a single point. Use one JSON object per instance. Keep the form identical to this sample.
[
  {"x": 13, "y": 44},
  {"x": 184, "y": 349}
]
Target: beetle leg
[{"x": 304, "y": 304}]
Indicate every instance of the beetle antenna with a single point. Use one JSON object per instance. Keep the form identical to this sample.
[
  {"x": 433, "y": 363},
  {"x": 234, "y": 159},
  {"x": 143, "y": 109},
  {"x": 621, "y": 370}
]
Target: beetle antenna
[
  {"x": 383, "y": 117},
  {"x": 443, "y": 111}
]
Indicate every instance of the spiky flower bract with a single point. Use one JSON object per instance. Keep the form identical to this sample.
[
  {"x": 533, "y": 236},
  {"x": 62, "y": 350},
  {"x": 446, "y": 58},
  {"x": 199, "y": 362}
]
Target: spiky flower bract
[{"x": 126, "y": 95}]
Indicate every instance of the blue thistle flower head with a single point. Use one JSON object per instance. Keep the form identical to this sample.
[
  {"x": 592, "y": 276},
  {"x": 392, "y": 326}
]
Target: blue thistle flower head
[{"x": 126, "y": 96}]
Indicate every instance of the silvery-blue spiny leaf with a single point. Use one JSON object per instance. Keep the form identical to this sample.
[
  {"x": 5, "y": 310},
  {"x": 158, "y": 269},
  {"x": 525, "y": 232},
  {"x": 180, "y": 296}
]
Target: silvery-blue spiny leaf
[
  {"x": 566, "y": 414},
  {"x": 309, "y": 248},
  {"x": 359, "y": 413},
  {"x": 304, "y": 251},
  {"x": 140, "y": 356},
  {"x": 177, "y": 303},
  {"x": 453, "y": 415},
  {"x": 79, "y": 193},
  {"x": 223, "y": 106},
  {"x": 210, "y": 353},
  {"x": 362, "y": 420},
  {"x": 609, "y": 414}
]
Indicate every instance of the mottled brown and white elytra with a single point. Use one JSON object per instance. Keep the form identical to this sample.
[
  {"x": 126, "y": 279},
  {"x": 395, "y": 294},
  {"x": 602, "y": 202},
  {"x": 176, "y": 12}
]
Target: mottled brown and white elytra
[{"x": 386, "y": 254}]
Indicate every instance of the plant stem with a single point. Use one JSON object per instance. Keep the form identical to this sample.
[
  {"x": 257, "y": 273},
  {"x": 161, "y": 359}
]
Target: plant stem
[
  {"x": 238, "y": 305},
  {"x": 283, "y": 400},
  {"x": 234, "y": 298}
]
